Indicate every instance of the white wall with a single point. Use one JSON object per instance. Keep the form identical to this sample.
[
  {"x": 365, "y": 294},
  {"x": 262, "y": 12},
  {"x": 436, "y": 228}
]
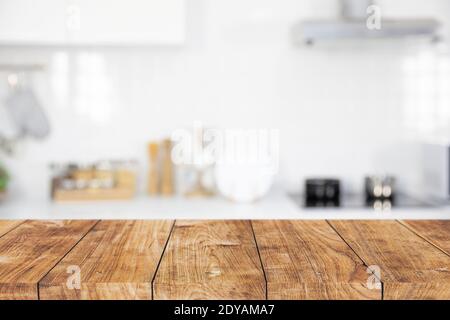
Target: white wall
[{"x": 342, "y": 110}]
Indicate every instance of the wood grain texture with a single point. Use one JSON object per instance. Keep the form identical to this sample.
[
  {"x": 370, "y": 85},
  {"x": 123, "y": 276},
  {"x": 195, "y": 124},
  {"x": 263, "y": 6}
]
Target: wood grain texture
[
  {"x": 116, "y": 260},
  {"x": 8, "y": 225},
  {"x": 435, "y": 231},
  {"x": 308, "y": 260},
  {"x": 411, "y": 268},
  {"x": 210, "y": 260},
  {"x": 29, "y": 251}
]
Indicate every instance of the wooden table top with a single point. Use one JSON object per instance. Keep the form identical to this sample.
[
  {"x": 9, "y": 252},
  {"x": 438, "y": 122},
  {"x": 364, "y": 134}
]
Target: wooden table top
[{"x": 231, "y": 259}]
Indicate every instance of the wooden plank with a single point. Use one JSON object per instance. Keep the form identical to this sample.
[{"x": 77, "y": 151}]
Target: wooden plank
[
  {"x": 116, "y": 260},
  {"x": 8, "y": 225},
  {"x": 210, "y": 260},
  {"x": 28, "y": 252},
  {"x": 435, "y": 231},
  {"x": 308, "y": 260},
  {"x": 411, "y": 268}
]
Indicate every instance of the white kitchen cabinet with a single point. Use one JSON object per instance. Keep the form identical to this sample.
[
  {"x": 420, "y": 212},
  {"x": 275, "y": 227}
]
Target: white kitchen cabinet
[{"x": 92, "y": 22}]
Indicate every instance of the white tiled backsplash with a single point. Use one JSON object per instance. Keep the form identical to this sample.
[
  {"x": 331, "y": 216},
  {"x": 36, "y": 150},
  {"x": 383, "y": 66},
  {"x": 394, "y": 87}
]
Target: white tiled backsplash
[{"x": 342, "y": 110}]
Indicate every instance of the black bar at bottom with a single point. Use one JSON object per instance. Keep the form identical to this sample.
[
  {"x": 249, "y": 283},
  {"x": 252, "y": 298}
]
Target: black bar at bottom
[{"x": 128, "y": 310}]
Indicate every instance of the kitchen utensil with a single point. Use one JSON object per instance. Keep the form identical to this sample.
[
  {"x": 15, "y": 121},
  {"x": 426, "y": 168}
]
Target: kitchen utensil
[
  {"x": 153, "y": 169},
  {"x": 167, "y": 187}
]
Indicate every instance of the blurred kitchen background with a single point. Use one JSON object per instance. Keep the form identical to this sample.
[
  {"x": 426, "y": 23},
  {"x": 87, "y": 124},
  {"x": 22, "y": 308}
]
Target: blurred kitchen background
[{"x": 349, "y": 108}]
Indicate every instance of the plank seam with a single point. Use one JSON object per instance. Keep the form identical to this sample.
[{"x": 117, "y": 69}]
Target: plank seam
[
  {"x": 13, "y": 228},
  {"x": 411, "y": 229},
  {"x": 365, "y": 264},
  {"x": 161, "y": 258},
  {"x": 68, "y": 251},
  {"x": 260, "y": 261}
]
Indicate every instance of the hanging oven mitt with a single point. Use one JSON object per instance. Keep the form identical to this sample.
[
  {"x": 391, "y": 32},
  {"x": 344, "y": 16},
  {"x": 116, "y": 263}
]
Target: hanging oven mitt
[{"x": 27, "y": 114}]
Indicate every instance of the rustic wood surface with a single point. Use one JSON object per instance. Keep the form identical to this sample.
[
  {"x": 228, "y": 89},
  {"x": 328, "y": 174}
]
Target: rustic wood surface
[
  {"x": 436, "y": 232},
  {"x": 210, "y": 260},
  {"x": 116, "y": 260},
  {"x": 8, "y": 225},
  {"x": 411, "y": 268},
  {"x": 308, "y": 260},
  {"x": 224, "y": 259},
  {"x": 31, "y": 250}
]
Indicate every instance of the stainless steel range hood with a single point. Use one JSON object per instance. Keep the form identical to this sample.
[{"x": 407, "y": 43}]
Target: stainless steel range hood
[{"x": 352, "y": 24}]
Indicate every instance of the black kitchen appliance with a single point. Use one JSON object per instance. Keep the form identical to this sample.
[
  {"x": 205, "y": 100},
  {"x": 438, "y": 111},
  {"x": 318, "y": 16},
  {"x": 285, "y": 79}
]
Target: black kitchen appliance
[
  {"x": 322, "y": 193},
  {"x": 379, "y": 194},
  {"x": 380, "y": 191}
]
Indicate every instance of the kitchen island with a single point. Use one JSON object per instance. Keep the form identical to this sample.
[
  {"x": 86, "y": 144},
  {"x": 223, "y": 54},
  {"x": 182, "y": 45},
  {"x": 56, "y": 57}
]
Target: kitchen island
[{"x": 224, "y": 259}]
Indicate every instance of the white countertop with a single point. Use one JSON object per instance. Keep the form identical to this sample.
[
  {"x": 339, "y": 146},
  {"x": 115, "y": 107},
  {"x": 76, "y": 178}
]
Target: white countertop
[{"x": 275, "y": 206}]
